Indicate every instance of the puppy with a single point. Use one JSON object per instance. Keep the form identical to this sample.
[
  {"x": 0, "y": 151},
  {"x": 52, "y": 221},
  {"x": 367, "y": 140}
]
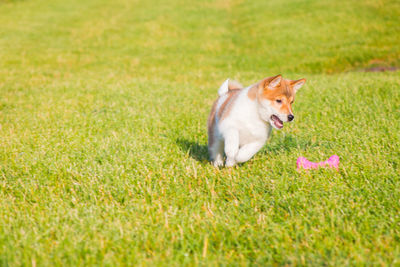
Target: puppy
[{"x": 241, "y": 119}]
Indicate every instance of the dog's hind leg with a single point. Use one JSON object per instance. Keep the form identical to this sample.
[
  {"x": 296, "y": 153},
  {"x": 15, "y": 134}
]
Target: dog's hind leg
[{"x": 216, "y": 150}]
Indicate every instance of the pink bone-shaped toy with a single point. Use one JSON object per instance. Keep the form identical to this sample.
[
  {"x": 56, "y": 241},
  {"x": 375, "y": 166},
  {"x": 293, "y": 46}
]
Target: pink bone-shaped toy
[{"x": 332, "y": 162}]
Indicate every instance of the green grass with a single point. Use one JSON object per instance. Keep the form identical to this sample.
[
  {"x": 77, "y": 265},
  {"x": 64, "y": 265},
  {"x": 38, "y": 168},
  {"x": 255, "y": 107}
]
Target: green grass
[{"x": 103, "y": 158}]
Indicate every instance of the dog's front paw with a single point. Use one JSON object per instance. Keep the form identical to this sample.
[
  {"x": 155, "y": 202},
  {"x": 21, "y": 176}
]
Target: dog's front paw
[
  {"x": 230, "y": 162},
  {"x": 218, "y": 163}
]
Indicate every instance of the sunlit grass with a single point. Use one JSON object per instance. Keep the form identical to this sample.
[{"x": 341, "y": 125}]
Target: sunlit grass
[{"x": 103, "y": 157}]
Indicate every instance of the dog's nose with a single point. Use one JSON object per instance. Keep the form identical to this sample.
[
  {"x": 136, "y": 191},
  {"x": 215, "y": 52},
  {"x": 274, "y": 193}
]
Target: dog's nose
[{"x": 290, "y": 117}]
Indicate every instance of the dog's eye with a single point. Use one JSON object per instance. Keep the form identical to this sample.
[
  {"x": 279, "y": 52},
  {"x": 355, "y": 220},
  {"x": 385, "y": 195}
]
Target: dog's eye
[{"x": 279, "y": 101}]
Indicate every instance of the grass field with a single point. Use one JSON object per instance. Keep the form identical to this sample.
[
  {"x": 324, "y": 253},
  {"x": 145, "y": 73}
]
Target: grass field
[{"x": 103, "y": 157}]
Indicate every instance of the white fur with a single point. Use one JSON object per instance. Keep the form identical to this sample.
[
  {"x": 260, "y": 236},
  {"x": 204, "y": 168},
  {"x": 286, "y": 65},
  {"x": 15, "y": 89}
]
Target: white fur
[
  {"x": 244, "y": 131},
  {"x": 224, "y": 88}
]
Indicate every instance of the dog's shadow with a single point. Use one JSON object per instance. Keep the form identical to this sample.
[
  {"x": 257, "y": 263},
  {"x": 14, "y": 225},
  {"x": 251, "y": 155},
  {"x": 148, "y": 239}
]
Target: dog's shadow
[
  {"x": 195, "y": 150},
  {"x": 278, "y": 145}
]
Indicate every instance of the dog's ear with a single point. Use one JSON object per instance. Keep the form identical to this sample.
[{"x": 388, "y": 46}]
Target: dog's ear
[
  {"x": 296, "y": 85},
  {"x": 272, "y": 82}
]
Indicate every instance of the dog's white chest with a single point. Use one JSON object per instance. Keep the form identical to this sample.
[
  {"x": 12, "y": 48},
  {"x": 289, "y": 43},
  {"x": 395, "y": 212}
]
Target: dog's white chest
[{"x": 253, "y": 132}]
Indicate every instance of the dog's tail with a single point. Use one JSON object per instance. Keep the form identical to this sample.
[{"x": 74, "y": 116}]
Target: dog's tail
[{"x": 229, "y": 85}]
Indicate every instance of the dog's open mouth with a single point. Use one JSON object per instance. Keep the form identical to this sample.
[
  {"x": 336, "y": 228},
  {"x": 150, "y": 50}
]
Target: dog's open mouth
[{"x": 277, "y": 122}]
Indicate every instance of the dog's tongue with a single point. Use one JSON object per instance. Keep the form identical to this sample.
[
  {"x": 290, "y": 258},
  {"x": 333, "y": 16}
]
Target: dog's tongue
[{"x": 278, "y": 123}]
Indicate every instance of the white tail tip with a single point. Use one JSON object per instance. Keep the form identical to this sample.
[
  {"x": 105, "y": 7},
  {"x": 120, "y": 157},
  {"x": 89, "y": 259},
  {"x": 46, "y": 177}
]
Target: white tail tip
[{"x": 224, "y": 88}]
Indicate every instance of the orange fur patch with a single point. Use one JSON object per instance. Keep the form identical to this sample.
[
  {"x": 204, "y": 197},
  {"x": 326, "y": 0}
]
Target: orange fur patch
[
  {"x": 284, "y": 91},
  {"x": 252, "y": 93},
  {"x": 226, "y": 107}
]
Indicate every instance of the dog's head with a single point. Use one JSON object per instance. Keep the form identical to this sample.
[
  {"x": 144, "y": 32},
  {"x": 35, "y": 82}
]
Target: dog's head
[{"x": 276, "y": 96}]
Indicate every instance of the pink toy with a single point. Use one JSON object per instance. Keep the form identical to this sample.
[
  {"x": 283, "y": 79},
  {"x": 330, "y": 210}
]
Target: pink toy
[{"x": 332, "y": 162}]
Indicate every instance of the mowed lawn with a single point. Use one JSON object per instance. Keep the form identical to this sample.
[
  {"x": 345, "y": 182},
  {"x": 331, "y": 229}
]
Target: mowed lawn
[{"x": 103, "y": 156}]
